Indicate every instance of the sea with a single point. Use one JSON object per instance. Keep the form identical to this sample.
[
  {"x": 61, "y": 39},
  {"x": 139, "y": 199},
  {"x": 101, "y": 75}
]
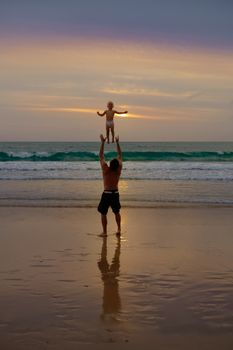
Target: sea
[{"x": 154, "y": 174}]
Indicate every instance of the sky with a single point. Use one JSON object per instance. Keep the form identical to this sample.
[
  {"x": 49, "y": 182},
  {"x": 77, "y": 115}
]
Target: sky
[{"x": 168, "y": 62}]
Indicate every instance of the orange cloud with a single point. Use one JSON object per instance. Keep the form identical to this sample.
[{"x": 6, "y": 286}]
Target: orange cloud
[
  {"x": 156, "y": 114},
  {"x": 149, "y": 92}
]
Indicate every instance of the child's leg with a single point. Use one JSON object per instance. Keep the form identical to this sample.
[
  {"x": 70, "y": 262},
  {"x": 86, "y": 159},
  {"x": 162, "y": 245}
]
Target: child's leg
[
  {"x": 107, "y": 133},
  {"x": 113, "y": 133}
]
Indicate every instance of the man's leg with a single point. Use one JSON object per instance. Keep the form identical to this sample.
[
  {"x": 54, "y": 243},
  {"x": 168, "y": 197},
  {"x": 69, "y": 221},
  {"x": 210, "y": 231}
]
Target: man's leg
[
  {"x": 118, "y": 221},
  {"x": 104, "y": 223}
]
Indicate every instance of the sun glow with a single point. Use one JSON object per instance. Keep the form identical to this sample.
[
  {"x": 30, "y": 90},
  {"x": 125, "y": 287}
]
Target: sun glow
[{"x": 47, "y": 80}]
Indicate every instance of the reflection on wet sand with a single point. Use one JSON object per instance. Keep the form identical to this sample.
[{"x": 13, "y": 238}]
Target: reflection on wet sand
[{"x": 109, "y": 274}]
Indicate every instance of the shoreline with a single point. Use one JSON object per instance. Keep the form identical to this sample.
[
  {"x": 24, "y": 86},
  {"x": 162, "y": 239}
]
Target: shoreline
[
  {"x": 166, "y": 280},
  {"x": 161, "y": 205},
  {"x": 136, "y": 194}
]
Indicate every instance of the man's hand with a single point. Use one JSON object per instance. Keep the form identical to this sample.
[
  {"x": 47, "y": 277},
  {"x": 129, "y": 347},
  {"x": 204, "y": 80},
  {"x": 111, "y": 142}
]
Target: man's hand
[
  {"x": 117, "y": 139},
  {"x": 103, "y": 139}
]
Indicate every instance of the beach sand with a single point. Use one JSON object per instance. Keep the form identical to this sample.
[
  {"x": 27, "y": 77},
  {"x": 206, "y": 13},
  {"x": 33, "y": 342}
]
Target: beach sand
[{"x": 166, "y": 284}]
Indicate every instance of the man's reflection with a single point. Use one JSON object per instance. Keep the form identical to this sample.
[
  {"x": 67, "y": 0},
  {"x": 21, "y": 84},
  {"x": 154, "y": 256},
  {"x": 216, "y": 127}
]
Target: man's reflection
[{"x": 110, "y": 273}]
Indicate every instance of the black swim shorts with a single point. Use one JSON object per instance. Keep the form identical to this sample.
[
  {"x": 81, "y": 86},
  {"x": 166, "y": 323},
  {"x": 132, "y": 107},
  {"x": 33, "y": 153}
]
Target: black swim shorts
[{"x": 109, "y": 199}]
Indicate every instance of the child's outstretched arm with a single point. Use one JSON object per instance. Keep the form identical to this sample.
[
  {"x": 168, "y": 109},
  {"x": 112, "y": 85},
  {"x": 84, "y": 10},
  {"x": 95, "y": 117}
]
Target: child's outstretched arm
[
  {"x": 125, "y": 112},
  {"x": 101, "y": 114}
]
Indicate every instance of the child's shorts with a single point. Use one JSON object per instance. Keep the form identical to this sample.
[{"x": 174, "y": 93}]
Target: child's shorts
[{"x": 109, "y": 199}]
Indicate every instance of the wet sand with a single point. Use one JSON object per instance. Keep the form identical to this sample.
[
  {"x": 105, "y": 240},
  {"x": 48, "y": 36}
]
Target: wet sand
[{"x": 167, "y": 283}]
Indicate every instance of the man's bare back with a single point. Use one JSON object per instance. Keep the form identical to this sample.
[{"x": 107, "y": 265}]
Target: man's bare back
[{"x": 111, "y": 178}]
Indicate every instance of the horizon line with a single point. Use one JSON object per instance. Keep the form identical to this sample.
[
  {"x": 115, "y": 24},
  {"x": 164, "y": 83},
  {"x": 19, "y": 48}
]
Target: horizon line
[{"x": 146, "y": 141}]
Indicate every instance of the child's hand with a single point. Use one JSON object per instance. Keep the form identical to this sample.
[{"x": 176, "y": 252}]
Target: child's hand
[{"x": 103, "y": 139}]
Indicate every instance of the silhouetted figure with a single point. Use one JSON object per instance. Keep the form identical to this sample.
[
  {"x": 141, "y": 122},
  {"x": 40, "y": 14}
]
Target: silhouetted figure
[
  {"x": 110, "y": 197},
  {"x": 109, "y": 274},
  {"x": 110, "y": 112}
]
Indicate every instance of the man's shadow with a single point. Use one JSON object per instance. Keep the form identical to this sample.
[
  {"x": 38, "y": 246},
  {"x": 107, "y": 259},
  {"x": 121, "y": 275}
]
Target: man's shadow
[{"x": 109, "y": 274}]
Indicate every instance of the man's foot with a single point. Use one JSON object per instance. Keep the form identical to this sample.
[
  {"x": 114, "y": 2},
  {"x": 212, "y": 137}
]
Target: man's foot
[
  {"x": 112, "y": 140},
  {"x": 107, "y": 140},
  {"x": 118, "y": 233}
]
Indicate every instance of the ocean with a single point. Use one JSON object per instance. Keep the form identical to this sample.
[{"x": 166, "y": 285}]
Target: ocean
[{"x": 154, "y": 173}]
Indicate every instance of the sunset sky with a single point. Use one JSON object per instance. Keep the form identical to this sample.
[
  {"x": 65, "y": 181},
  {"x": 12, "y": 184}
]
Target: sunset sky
[{"x": 169, "y": 62}]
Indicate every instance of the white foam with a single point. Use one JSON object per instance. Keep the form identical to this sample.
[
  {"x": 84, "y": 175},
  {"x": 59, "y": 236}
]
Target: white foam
[{"x": 198, "y": 171}]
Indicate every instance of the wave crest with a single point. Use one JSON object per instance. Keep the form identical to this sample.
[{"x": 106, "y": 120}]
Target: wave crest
[{"x": 76, "y": 156}]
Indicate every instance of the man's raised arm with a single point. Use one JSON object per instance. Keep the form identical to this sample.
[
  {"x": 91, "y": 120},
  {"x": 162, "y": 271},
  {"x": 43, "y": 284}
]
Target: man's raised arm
[
  {"x": 101, "y": 153},
  {"x": 118, "y": 149}
]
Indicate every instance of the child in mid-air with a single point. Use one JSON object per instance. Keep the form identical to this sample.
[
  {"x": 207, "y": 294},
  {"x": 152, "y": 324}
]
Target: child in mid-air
[{"x": 109, "y": 119}]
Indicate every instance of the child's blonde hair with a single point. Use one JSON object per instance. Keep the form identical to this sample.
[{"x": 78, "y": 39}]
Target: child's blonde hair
[{"x": 110, "y": 104}]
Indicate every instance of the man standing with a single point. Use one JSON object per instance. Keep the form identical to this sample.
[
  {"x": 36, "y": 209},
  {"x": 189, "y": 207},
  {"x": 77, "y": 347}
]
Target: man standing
[{"x": 110, "y": 196}]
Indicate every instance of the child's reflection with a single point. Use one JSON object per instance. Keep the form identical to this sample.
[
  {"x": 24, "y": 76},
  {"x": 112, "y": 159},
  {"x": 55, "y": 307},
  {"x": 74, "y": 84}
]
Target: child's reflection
[{"x": 110, "y": 273}]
